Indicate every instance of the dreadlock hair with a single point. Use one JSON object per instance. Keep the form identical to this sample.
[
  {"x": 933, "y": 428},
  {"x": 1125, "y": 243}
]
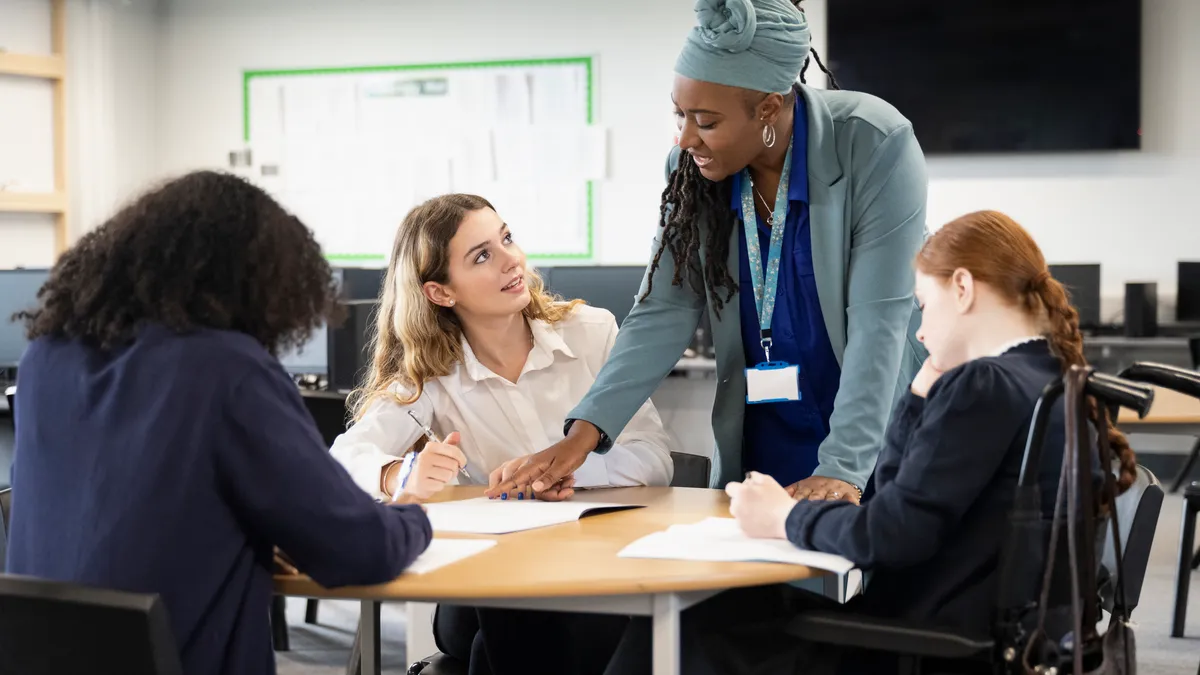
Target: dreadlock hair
[{"x": 688, "y": 195}]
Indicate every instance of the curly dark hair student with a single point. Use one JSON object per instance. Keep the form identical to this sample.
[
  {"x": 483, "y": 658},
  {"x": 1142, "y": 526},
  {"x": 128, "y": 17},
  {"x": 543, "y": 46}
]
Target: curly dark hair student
[
  {"x": 205, "y": 250},
  {"x": 688, "y": 195}
]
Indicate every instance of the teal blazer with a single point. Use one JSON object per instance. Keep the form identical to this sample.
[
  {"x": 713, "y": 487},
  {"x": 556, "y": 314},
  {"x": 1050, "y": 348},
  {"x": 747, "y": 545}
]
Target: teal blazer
[{"x": 867, "y": 186}]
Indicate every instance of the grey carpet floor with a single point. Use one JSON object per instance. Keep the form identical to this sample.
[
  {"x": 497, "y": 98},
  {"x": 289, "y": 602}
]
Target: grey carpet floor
[{"x": 323, "y": 649}]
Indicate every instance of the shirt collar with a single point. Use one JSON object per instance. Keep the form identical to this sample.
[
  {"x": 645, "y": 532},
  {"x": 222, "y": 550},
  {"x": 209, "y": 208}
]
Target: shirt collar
[
  {"x": 1009, "y": 346},
  {"x": 546, "y": 341},
  {"x": 797, "y": 188}
]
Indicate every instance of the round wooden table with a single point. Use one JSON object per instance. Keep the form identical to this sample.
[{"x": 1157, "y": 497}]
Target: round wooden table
[{"x": 574, "y": 567}]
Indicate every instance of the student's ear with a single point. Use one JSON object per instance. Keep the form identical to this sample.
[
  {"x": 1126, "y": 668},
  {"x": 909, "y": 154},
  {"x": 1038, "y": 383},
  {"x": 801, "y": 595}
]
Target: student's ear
[
  {"x": 438, "y": 294},
  {"x": 962, "y": 284}
]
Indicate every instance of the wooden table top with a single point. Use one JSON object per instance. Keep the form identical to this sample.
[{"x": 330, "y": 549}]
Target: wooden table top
[
  {"x": 574, "y": 559},
  {"x": 1170, "y": 407}
]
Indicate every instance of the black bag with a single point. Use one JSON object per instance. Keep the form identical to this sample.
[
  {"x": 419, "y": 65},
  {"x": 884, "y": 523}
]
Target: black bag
[{"x": 1083, "y": 649}]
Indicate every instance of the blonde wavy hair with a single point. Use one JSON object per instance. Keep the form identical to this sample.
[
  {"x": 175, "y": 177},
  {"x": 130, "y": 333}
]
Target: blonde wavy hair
[{"x": 414, "y": 340}]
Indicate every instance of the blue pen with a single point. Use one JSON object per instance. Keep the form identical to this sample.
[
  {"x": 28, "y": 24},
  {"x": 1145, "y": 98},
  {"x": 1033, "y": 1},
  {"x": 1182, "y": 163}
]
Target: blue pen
[{"x": 432, "y": 438}]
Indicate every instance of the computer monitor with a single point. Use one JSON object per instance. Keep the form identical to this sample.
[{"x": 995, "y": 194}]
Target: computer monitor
[
  {"x": 18, "y": 291},
  {"x": 312, "y": 357},
  {"x": 361, "y": 283},
  {"x": 1083, "y": 287},
  {"x": 613, "y": 288},
  {"x": 1187, "y": 295}
]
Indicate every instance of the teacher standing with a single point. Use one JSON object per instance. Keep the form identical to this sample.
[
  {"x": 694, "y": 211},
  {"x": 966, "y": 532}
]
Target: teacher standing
[{"x": 792, "y": 216}]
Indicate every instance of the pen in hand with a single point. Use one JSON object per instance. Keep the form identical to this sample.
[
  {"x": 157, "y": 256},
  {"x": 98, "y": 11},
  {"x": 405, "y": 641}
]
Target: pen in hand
[{"x": 432, "y": 438}]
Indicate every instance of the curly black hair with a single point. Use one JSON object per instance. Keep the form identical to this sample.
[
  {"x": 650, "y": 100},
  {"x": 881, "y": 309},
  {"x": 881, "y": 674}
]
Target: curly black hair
[
  {"x": 205, "y": 250},
  {"x": 688, "y": 195}
]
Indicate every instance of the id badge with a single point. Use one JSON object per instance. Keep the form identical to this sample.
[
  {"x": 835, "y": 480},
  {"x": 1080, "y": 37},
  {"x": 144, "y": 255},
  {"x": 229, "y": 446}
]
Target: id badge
[{"x": 773, "y": 382}]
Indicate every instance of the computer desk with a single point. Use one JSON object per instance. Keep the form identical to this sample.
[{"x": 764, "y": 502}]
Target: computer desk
[
  {"x": 1173, "y": 414},
  {"x": 583, "y": 574}
]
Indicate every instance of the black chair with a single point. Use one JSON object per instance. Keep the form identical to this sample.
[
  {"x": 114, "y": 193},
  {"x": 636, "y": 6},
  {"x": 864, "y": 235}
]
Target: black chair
[
  {"x": 1188, "y": 558},
  {"x": 51, "y": 627},
  {"x": 1191, "y": 390},
  {"x": 916, "y": 644},
  {"x": 1137, "y": 516},
  {"x": 438, "y": 664},
  {"x": 328, "y": 410},
  {"x": 1185, "y": 382},
  {"x": 690, "y": 470}
]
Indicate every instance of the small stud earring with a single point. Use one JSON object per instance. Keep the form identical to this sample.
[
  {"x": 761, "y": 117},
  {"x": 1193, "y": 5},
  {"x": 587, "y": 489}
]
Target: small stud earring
[{"x": 451, "y": 303}]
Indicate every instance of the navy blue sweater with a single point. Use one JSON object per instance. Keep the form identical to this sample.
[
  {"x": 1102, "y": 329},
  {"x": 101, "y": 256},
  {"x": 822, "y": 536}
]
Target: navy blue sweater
[
  {"x": 944, "y": 484},
  {"x": 174, "y": 465}
]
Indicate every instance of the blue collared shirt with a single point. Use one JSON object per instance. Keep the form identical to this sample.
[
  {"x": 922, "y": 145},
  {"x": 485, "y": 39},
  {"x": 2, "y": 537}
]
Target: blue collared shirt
[{"x": 781, "y": 439}]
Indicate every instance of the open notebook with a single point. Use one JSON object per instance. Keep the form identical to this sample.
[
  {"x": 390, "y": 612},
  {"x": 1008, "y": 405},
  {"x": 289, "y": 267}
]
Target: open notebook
[
  {"x": 442, "y": 552},
  {"x": 722, "y": 540},
  {"x": 494, "y": 516}
]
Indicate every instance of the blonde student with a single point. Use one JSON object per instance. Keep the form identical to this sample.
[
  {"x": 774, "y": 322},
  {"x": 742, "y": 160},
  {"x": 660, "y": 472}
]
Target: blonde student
[
  {"x": 469, "y": 343},
  {"x": 476, "y": 366}
]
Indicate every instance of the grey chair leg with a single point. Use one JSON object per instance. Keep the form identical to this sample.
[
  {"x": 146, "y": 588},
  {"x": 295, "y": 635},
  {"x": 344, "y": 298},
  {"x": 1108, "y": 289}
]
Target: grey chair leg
[
  {"x": 354, "y": 666},
  {"x": 1181, "y": 477},
  {"x": 310, "y": 612},
  {"x": 1183, "y": 572}
]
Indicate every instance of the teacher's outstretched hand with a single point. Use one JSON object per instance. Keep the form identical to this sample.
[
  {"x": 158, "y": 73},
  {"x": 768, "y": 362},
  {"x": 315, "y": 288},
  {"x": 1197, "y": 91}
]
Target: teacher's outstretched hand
[{"x": 550, "y": 472}]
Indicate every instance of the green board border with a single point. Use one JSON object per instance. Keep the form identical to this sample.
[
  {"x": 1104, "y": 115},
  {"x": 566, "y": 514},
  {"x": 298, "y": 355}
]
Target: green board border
[{"x": 587, "y": 61}]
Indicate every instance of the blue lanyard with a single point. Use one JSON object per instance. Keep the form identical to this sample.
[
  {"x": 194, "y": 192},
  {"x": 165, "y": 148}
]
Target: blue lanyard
[{"x": 764, "y": 290}]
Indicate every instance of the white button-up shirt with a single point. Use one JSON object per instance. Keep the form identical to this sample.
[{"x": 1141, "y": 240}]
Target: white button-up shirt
[{"x": 500, "y": 420}]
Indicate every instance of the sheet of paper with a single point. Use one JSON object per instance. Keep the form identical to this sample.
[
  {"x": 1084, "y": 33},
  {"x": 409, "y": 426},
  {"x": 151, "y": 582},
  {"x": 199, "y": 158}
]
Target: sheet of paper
[
  {"x": 722, "y": 540},
  {"x": 495, "y": 516},
  {"x": 442, "y": 552}
]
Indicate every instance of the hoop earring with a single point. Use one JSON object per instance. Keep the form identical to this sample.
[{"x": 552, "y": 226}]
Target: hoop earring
[{"x": 768, "y": 135}]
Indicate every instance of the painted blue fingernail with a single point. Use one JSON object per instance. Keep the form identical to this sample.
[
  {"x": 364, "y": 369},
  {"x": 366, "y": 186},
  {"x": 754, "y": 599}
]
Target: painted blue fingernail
[
  {"x": 520, "y": 496},
  {"x": 504, "y": 496}
]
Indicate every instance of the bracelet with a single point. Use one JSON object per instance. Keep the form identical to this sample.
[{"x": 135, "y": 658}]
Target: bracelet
[{"x": 383, "y": 478}]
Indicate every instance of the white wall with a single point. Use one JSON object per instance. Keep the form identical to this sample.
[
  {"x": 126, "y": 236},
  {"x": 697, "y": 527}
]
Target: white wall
[
  {"x": 26, "y": 134},
  {"x": 111, "y": 116},
  {"x": 207, "y": 45},
  {"x": 174, "y": 102},
  {"x": 1131, "y": 211}
]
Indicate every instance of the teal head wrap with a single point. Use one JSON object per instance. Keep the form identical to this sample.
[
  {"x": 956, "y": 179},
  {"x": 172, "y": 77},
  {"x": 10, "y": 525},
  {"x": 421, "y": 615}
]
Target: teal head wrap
[{"x": 752, "y": 44}]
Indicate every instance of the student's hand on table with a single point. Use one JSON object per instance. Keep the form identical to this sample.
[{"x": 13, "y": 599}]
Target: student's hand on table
[
  {"x": 760, "y": 505},
  {"x": 925, "y": 378},
  {"x": 817, "y": 488},
  {"x": 435, "y": 466},
  {"x": 504, "y": 473},
  {"x": 284, "y": 564},
  {"x": 548, "y": 471}
]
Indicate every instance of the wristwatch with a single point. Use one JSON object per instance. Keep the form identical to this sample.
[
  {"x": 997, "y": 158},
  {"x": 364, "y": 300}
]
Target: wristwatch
[{"x": 602, "y": 446}]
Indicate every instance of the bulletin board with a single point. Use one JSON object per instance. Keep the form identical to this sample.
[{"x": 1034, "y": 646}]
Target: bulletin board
[{"x": 351, "y": 150}]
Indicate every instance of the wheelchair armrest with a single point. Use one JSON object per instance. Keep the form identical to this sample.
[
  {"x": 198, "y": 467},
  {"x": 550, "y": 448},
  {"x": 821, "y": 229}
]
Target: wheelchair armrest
[{"x": 887, "y": 635}]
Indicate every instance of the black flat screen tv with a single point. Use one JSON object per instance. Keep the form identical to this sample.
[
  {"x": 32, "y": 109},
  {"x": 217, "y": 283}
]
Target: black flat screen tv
[{"x": 996, "y": 76}]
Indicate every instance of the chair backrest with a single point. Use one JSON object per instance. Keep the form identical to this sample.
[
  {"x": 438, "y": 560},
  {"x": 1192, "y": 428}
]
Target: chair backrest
[
  {"x": 690, "y": 470},
  {"x": 5, "y": 511},
  {"x": 328, "y": 411},
  {"x": 54, "y": 627},
  {"x": 1137, "y": 518}
]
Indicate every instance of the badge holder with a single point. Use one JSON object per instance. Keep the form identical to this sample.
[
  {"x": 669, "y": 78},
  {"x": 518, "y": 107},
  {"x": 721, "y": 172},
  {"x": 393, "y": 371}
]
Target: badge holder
[{"x": 772, "y": 381}]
